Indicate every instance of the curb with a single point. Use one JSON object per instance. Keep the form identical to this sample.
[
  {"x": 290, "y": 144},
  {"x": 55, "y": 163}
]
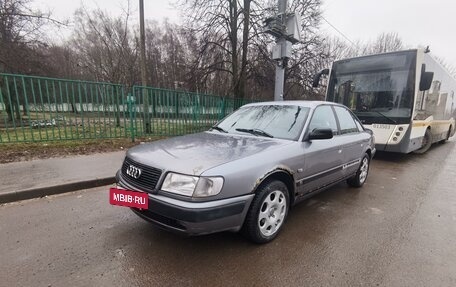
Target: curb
[{"x": 51, "y": 190}]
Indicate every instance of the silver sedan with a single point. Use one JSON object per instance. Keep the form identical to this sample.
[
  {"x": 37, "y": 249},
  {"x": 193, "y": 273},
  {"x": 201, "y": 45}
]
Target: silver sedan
[{"x": 246, "y": 172}]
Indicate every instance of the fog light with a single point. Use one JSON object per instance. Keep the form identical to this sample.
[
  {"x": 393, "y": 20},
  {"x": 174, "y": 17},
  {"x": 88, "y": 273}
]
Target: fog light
[{"x": 395, "y": 139}]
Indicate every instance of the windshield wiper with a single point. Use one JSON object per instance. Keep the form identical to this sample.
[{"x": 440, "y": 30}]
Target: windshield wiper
[
  {"x": 256, "y": 132},
  {"x": 217, "y": 128},
  {"x": 388, "y": 118}
]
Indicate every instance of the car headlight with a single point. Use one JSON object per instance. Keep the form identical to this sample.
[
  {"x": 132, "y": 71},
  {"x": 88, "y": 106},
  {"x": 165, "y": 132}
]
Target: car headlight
[
  {"x": 192, "y": 185},
  {"x": 180, "y": 184},
  {"x": 208, "y": 186}
]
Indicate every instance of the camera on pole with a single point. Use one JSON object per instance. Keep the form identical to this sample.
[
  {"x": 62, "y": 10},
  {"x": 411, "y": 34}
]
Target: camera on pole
[{"x": 286, "y": 28}]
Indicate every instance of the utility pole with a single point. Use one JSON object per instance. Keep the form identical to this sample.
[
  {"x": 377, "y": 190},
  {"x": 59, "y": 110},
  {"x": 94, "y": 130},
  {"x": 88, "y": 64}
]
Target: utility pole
[
  {"x": 282, "y": 63},
  {"x": 286, "y": 28},
  {"x": 142, "y": 36}
]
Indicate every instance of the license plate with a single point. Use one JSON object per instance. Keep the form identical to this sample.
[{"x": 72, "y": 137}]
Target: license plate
[{"x": 123, "y": 197}]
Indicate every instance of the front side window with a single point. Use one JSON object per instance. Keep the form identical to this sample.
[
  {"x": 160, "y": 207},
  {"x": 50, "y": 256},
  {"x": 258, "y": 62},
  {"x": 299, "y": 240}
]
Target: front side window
[
  {"x": 323, "y": 118},
  {"x": 378, "y": 89},
  {"x": 278, "y": 121},
  {"x": 346, "y": 121}
]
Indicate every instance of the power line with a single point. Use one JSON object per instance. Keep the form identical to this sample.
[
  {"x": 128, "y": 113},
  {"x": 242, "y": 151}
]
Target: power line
[{"x": 338, "y": 31}]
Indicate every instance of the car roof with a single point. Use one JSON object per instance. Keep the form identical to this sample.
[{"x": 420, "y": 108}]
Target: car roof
[{"x": 307, "y": 104}]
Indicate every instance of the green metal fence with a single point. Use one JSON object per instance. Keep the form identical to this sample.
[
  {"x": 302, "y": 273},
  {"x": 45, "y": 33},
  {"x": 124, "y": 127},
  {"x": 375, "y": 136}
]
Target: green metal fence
[
  {"x": 45, "y": 109},
  {"x": 168, "y": 113}
]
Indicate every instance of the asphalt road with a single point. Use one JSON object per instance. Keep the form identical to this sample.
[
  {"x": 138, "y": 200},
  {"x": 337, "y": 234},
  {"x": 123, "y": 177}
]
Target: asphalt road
[{"x": 398, "y": 230}]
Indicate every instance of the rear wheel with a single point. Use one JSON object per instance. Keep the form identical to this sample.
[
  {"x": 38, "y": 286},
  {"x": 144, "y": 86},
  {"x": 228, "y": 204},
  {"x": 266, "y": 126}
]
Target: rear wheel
[
  {"x": 360, "y": 177},
  {"x": 426, "y": 143},
  {"x": 447, "y": 136},
  {"x": 267, "y": 213}
]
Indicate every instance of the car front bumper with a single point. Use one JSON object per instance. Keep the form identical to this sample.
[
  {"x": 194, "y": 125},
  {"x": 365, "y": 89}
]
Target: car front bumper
[{"x": 194, "y": 218}]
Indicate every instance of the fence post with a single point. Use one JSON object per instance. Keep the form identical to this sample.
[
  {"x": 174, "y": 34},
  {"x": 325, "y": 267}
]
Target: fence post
[
  {"x": 176, "y": 102},
  {"x": 223, "y": 111},
  {"x": 147, "y": 120},
  {"x": 131, "y": 106}
]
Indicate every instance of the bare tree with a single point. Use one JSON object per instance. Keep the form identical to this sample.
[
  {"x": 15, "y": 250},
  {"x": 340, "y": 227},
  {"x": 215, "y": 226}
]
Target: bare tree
[
  {"x": 385, "y": 42},
  {"x": 22, "y": 36},
  {"x": 106, "y": 51},
  {"x": 105, "y": 47},
  {"x": 449, "y": 67},
  {"x": 218, "y": 24},
  {"x": 229, "y": 31},
  {"x": 21, "y": 46}
]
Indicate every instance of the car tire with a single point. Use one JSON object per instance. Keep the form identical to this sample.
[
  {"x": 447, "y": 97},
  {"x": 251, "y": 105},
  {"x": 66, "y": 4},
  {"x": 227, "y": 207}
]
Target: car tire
[
  {"x": 427, "y": 142},
  {"x": 267, "y": 213},
  {"x": 360, "y": 177}
]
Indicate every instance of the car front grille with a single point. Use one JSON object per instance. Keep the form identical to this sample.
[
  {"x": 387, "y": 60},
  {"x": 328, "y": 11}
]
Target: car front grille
[{"x": 147, "y": 180}]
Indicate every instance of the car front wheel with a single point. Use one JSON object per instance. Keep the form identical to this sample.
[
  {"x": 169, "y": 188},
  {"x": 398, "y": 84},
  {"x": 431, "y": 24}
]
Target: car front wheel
[{"x": 267, "y": 212}]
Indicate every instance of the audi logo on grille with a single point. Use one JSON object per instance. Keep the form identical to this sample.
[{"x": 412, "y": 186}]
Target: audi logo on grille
[{"x": 133, "y": 171}]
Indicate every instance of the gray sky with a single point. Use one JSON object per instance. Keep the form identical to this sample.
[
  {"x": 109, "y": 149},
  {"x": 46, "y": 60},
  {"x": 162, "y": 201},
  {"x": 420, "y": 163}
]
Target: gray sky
[
  {"x": 417, "y": 22},
  {"x": 154, "y": 9},
  {"x": 64, "y": 9}
]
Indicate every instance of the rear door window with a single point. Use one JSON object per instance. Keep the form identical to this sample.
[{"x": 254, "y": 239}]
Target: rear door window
[{"x": 346, "y": 121}]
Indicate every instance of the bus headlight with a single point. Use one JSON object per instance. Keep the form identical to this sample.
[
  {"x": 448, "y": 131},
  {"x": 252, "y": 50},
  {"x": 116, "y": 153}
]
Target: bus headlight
[{"x": 398, "y": 134}]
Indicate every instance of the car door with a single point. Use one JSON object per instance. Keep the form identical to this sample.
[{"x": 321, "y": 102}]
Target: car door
[
  {"x": 322, "y": 159},
  {"x": 352, "y": 138}
]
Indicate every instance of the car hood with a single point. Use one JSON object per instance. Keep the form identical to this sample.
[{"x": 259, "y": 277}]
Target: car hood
[{"x": 196, "y": 153}]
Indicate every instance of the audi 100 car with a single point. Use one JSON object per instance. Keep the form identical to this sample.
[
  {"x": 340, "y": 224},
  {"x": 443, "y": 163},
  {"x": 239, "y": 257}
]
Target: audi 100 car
[{"x": 246, "y": 172}]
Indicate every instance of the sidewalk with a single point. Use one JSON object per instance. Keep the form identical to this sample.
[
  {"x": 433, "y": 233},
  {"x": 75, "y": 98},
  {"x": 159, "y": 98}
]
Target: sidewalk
[{"x": 37, "y": 178}]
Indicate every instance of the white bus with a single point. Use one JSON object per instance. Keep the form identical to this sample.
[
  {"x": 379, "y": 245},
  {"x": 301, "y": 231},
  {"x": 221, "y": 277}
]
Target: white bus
[{"x": 406, "y": 98}]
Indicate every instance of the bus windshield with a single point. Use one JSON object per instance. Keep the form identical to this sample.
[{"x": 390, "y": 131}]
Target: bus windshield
[{"x": 378, "y": 89}]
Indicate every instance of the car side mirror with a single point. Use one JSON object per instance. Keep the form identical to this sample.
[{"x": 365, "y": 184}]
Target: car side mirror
[
  {"x": 426, "y": 81},
  {"x": 317, "y": 77},
  {"x": 321, "y": 134},
  {"x": 371, "y": 132}
]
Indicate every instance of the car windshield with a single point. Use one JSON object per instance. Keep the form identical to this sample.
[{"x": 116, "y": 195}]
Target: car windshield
[
  {"x": 377, "y": 89},
  {"x": 278, "y": 121}
]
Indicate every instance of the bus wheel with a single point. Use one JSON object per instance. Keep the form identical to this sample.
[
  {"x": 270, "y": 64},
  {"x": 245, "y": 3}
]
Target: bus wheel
[
  {"x": 427, "y": 142},
  {"x": 447, "y": 137}
]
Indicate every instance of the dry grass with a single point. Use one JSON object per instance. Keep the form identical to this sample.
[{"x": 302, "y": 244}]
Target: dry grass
[{"x": 14, "y": 152}]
